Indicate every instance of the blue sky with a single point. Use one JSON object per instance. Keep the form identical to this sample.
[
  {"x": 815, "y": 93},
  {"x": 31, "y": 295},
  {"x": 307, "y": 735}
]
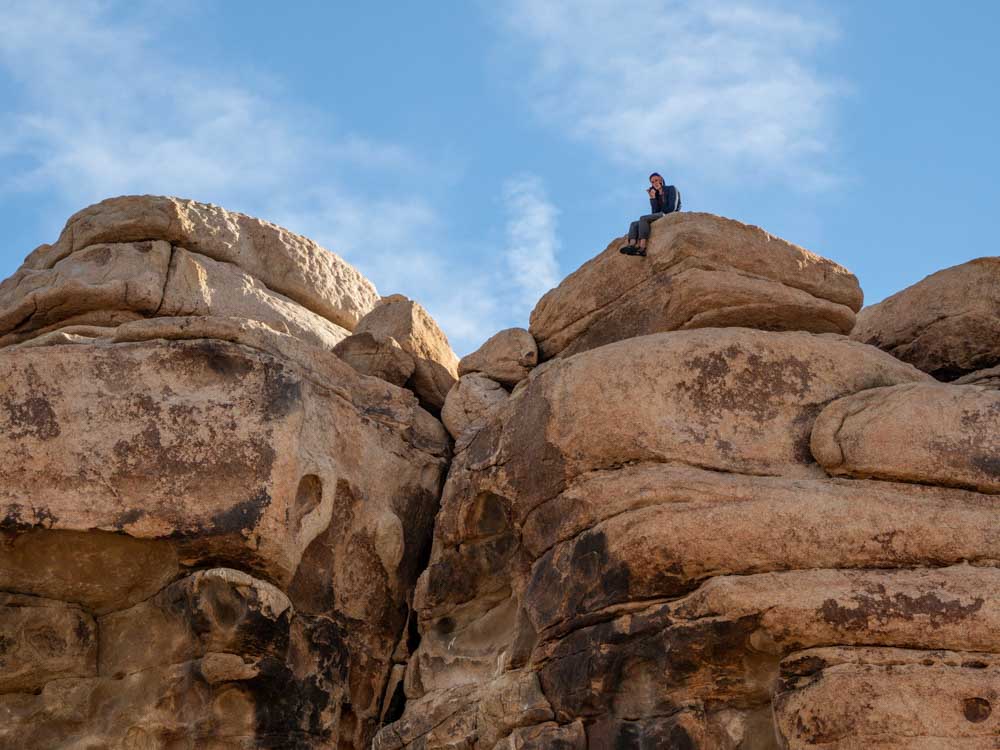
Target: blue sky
[{"x": 471, "y": 154}]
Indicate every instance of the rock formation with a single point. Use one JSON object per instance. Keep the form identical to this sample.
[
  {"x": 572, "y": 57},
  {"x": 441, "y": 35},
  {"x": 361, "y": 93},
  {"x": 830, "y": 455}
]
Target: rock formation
[
  {"x": 211, "y": 524},
  {"x": 708, "y": 519}
]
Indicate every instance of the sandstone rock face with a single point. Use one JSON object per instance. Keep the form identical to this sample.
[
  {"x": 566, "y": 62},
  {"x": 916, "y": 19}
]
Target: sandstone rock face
[
  {"x": 471, "y": 402},
  {"x": 933, "y": 434},
  {"x": 507, "y": 357},
  {"x": 701, "y": 271},
  {"x": 888, "y": 698},
  {"x": 988, "y": 378},
  {"x": 947, "y": 325},
  {"x": 644, "y": 528},
  {"x": 380, "y": 357},
  {"x": 287, "y": 263},
  {"x": 226, "y": 523},
  {"x": 210, "y": 524},
  {"x": 409, "y": 324}
]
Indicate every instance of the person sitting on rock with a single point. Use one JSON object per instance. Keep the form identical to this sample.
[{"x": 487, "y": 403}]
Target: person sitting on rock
[{"x": 663, "y": 199}]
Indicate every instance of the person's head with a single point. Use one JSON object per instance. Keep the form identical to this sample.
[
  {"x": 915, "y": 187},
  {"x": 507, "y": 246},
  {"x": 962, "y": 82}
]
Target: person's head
[{"x": 655, "y": 180}]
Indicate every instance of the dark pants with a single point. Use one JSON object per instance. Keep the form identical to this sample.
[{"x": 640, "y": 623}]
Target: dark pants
[{"x": 639, "y": 230}]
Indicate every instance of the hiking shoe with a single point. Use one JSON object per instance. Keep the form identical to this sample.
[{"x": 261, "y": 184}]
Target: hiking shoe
[
  {"x": 629, "y": 250},
  {"x": 641, "y": 252}
]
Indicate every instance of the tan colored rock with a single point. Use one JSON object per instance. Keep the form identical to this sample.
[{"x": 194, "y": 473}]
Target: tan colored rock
[
  {"x": 43, "y": 640},
  {"x": 664, "y": 529},
  {"x": 701, "y": 271},
  {"x": 200, "y": 286},
  {"x": 416, "y": 332},
  {"x": 377, "y": 356},
  {"x": 216, "y": 611},
  {"x": 720, "y": 647},
  {"x": 450, "y": 719},
  {"x": 948, "y": 324},
  {"x": 471, "y": 402},
  {"x": 212, "y": 444},
  {"x": 726, "y": 399},
  {"x": 287, "y": 263},
  {"x": 888, "y": 698},
  {"x": 932, "y": 434},
  {"x": 507, "y": 357},
  {"x": 97, "y": 286},
  {"x": 988, "y": 378}
]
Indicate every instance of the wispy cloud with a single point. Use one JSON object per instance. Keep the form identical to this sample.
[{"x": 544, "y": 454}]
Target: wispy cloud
[
  {"x": 717, "y": 87},
  {"x": 103, "y": 108},
  {"x": 532, "y": 242}
]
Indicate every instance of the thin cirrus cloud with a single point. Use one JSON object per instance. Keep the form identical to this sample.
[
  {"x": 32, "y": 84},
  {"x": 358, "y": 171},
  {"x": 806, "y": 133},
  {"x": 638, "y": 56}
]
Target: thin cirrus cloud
[
  {"x": 715, "y": 87},
  {"x": 532, "y": 242},
  {"x": 101, "y": 108}
]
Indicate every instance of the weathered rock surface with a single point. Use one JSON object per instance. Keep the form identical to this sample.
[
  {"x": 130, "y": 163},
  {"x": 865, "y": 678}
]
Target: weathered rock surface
[
  {"x": 43, "y": 640},
  {"x": 288, "y": 263},
  {"x": 988, "y": 378},
  {"x": 409, "y": 324},
  {"x": 216, "y": 506},
  {"x": 471, "y": 402},
  {"x": 507, "y": 357},
  {"x": 948, "y": 324},
  {"x": 644, "y": 527},
  {"x": 888, "y": 698},
  {"x": 210, "y": 524},
  {"x": 701, "y": 271},
  {"x": 934, "y": 434},
  {"x": 378, "y": 356}
]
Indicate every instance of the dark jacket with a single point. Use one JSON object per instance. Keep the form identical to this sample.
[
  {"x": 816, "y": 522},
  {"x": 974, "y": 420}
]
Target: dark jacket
[{"x": 665, "y": 201}]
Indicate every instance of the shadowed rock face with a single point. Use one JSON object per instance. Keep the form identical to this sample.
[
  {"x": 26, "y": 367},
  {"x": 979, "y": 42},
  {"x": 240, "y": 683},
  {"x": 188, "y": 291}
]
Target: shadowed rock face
[
  {"x": 210, "y": 524},
  {"x": 707, "y": 521}
]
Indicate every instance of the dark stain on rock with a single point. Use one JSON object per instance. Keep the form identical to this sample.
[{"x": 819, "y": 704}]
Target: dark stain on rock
[
  {"x": 30, "y": 417},
  {"x": 242, "y": 517},
  {"x": 569, "y": 583},
  {"x": 879, "y": 607},
  {"x": 222, "y": 359},
  {"x": 295, "y": 710},
  {"x": 976, "y": 710},
  {"x": 83, "y": 632},
  {"x": 282, "y": 393},
  {"x": 128, "y": 517},
  {"x": 99, "y": 255},
  {"x": 757, "y": 387},
  {"x": 20, "y": 518},
  {"x": 988, "y": 463}
]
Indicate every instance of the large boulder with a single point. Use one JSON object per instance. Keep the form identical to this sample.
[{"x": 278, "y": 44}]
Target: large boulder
[
  {"x": 948, "y": 324},
  {"x": 471, "y": 402},
  {"x": 701, "y": 271},
  {"x": 378, "y": 356},
  {"x": 288, "y": 263},
  {"x": 927, "y": 433},
  {"x": 210, "y": 525},
  {"x": 412, "y": 327},
  {"x": 507, "y": 357}
]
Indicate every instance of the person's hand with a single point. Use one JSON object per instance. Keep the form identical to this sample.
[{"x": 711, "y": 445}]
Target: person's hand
[{"x": 652, "y": 192}]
